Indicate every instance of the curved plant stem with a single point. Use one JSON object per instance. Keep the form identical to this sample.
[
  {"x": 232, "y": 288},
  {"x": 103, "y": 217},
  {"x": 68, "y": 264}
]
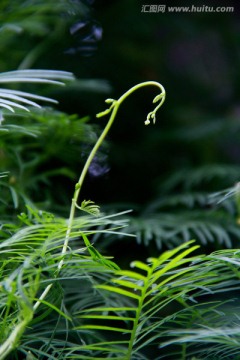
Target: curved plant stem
[
  {"x": 11, "y": 342},
  {"x": 113, "y": 109}
]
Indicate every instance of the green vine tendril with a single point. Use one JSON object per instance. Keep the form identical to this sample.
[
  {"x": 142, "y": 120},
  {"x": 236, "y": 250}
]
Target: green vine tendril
[{"x": 113, "y": 109}]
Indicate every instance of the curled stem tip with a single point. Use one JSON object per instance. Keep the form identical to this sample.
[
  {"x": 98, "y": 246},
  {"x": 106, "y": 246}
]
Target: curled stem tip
[
  {"x": 89, "y": 206},
  {"x": 152, "y": 115},
  {"x": 112, "y": 110}
]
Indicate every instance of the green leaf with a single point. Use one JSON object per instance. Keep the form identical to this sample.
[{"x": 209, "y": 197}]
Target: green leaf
[{"x": 89, "y": 207}]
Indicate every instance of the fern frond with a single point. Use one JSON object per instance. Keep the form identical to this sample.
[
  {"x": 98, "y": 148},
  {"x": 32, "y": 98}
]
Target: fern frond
[
  {"x": 215, "y": 334},
  {"x": 36, "y": 76},
  {"x": 170, "y": 229},
  {"x": 210, "y": 342},
  {"x": 125, "y": 314},
  {"x": 191, "y": 178},
  {"x": 149, "y": 289},
  {"x": 189, "y": 200},
  {"x": 89, "y": 207},
  {"x": 29, "y": 262},
  {"x": 173, "y": 280},
  {"x": 4, "y": 174},
  {"x": 11, "y": 99}
]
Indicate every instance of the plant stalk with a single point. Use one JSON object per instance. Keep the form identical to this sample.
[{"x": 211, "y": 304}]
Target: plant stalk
[{"x": 113, "y": 109}]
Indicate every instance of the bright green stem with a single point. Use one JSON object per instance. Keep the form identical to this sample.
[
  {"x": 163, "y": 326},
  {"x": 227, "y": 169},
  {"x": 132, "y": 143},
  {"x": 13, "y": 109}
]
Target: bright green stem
[
  {"x": 12, "y": 341},
  {"x": 139, "y": 308},
  {"x": 113, "y": 109},
  {"x": 136, "y": 322}
]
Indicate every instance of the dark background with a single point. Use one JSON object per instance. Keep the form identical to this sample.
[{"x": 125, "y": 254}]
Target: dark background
[{"x": 196, "y": 58}]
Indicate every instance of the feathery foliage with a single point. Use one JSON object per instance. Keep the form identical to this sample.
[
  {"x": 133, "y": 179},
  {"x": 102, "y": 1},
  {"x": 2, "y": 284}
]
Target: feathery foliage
[
  {"x": 10, "y": 99},
  {"x": 189, "y": 212},
  {"x": 174, "y": 282},
  {"x": 29, "y": 262}
]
